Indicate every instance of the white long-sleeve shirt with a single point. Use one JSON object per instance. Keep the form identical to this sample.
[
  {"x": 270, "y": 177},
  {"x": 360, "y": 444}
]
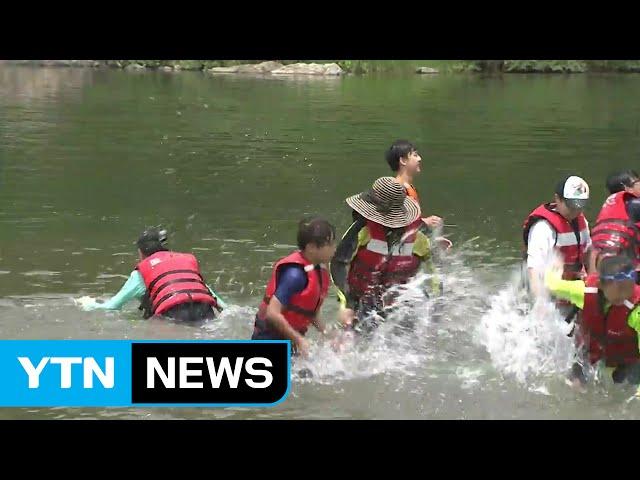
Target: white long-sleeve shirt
[{"x": 542, "y": 239}]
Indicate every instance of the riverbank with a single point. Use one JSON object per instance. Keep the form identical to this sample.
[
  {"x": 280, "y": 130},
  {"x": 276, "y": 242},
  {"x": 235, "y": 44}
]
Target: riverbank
[{"x": 366, "y": 66}]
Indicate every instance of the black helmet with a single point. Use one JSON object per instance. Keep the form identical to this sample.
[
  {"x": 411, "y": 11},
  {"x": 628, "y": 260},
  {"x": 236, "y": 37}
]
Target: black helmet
[{"x": 152, "y": 240}]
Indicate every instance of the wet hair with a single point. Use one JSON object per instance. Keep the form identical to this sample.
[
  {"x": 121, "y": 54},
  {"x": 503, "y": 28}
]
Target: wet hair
[
  {"x": 399, "y": 149},
  {"x": 560, "y": 186},
  {"x": 618, "y": 180},
  {"x": 315, "y": 230},
  {"x": 152, "y": 240},
  {"x": 611, "y": 265}
]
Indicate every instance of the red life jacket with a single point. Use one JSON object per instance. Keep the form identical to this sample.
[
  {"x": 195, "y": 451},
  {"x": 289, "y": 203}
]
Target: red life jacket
[
  {"x": 374, "y": 268},
  {"x": 571, "y": 238},
  {"x": 614, "y": 232},
  {"x": 173, "y": 278},
  {"x": 304, "y": 306},
  {"x": 608, "y": 335}
]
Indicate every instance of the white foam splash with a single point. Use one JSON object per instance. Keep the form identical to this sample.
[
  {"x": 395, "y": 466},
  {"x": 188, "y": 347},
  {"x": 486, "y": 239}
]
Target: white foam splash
[
  {"x": 399, "y": 344},
  {"x": 358, "y": 359},
  {"x": 523, "y": 341},
  {"x": 422, "y": 334}
]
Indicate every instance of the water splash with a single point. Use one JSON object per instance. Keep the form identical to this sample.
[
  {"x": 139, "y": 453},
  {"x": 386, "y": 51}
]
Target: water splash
[
  {"x": 422, "y": 334},
  {"x": 526, "y": 342}
]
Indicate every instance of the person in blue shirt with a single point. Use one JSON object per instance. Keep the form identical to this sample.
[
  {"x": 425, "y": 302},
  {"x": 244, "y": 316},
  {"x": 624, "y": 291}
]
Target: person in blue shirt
[{"x": 297, "y": 288}]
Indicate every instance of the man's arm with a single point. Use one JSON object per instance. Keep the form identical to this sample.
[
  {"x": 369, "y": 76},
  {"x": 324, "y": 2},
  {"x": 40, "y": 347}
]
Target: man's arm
[
  {"x": 540, "y": 246},
  {"x": 422, "y": 249},
  {"x": 571, "y": 290},
  {"x": 134, "y": 288},
  {"x": 221, "y": 304},
  {"x": 292, "y": 279},
  {"x": 276, "y": 320},
  {"x": 339, "y": 267}
]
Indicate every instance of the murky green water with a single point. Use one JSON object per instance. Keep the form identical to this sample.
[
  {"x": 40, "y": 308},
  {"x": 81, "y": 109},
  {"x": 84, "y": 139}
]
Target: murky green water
[{"x": 88, "y": 158}]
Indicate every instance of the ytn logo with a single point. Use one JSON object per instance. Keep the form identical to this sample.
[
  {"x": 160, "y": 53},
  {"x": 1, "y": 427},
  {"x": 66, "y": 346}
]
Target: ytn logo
[
  {"x": 124, "y": 373},
  {"x": 90, "y": 369}
]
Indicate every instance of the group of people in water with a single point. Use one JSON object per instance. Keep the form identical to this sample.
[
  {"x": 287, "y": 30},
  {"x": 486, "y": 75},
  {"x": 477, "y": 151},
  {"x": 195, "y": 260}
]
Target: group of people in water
[
  {"x": 595, "y": 285},
  {"x": 387, "y": 244},
  {"x": 595, "y": 281}
]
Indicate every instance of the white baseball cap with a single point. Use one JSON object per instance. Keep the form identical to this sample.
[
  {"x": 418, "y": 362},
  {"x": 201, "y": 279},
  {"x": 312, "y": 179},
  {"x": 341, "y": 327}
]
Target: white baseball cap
[{"x": 575, "y": 192}]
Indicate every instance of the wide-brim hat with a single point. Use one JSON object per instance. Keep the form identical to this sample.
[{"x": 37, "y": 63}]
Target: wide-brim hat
[{"x": 386, "y": 203}]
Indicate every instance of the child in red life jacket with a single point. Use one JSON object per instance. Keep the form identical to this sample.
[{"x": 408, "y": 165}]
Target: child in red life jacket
[
  {"x": 297, "y": 288},
  {"x": 608, "y": 330}
]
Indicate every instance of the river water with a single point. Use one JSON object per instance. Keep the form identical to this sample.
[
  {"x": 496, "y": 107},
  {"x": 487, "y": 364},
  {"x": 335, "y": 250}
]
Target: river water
[{"x": 89, "y": 158}]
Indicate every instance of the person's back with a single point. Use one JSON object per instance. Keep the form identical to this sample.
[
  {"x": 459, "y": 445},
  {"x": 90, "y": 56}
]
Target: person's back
[
  {"x": 167, "y": 283},
  {"x": 615, "y": 231},
  {"x": 175, "y": 287},
  {"x": 385, "y": 260},
  {"x": 617, "y": 227}
]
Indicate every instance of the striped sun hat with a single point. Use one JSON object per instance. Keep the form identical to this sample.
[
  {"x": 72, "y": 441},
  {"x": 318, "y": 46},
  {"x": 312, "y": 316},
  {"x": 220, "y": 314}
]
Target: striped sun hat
[{"x": 386, "y": 203}]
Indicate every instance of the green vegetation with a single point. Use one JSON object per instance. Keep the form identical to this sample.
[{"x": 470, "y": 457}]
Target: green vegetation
[
  {"x": 359, "y": 67},
  {"x": 351, "y": 66}
]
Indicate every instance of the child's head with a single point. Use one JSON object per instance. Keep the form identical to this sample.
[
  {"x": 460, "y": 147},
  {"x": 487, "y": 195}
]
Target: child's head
[
  {"x": 402, "y": 155},
  {"x": 151, "y": 241},
  {"x": 627, "y": 180},
  {"x": 617, "y": 278},
  {"x": 317, "y": 239}
]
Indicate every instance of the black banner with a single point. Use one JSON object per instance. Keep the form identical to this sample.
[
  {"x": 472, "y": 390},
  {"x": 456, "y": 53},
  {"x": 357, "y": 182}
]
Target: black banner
[{"x": 248, "y": 373}]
